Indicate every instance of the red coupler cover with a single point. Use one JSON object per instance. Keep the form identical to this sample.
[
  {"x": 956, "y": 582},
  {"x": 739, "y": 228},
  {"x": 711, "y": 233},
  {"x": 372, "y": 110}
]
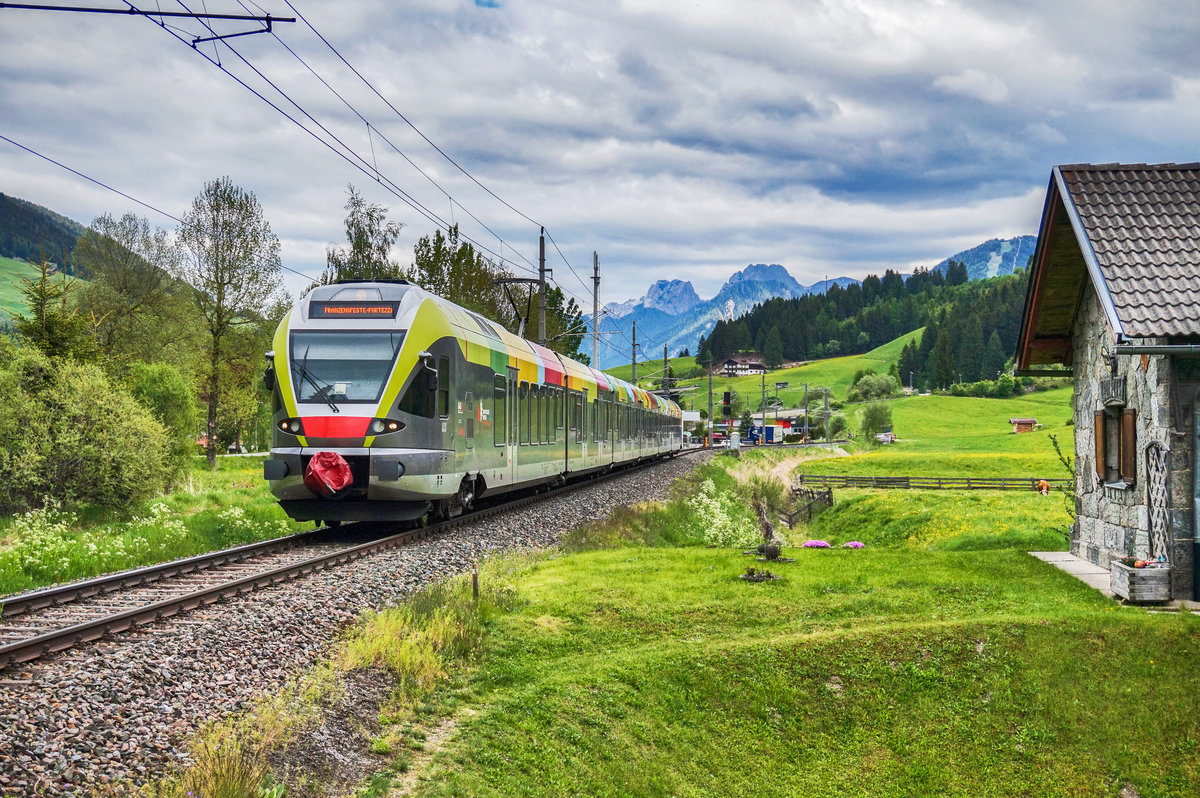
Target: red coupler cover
[{"x": 327, "y": 474}]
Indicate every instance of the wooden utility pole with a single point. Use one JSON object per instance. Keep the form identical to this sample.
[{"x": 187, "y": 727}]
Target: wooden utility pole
[{"x": 595, "y": 310}]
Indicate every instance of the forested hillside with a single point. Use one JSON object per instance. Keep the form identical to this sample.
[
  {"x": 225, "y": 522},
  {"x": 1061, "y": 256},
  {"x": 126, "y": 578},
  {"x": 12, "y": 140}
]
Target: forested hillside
[
  {"x": 31, "y": 232},
  {"x": 970, "y": 327}
]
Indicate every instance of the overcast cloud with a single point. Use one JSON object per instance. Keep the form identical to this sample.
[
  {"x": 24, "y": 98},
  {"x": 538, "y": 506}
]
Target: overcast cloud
[{"x": 679, "y": 139}]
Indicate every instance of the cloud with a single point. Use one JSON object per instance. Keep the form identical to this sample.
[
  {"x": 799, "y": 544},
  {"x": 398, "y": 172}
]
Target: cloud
[
  {"x": 974, "y": 84},
  {"x": 680, "y": 140}
]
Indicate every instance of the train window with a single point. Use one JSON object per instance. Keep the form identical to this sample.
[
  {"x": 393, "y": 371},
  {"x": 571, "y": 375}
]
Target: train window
[
  {"x": 541, "y": 415},
  {"x": 580, "y": 418},
  {"x": 499, "y": 409},
  {"x": 330, "y": 366},
  {"x": 421, "y": 397},
  {"x": 527, "y": 415},
  {"x": 523, "y": 414},
  {"x": 558, "y": 408},
  {"x": 444, "y": 387}
]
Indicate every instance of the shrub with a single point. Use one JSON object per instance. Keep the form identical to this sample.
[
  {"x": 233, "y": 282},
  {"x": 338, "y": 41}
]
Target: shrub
[
  {"x": 717, "y": 521},
  {"x": 876, "y": 418},
  {"x": 68, "y": 433},
  {"x": 164, "y": 391}
]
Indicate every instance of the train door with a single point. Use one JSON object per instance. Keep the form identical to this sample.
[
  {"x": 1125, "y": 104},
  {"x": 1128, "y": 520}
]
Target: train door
[{"x": 514, "y": 416}]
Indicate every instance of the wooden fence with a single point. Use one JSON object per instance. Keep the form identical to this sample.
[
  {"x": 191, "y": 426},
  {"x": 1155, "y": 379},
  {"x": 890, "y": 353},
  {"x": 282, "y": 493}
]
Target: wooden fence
[
  {"x": 811, "y": 503},
  {"x": 928, "y": 483}
]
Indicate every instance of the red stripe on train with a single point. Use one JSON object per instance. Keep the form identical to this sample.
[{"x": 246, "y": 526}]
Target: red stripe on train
[{"x": 335, "y": 426}]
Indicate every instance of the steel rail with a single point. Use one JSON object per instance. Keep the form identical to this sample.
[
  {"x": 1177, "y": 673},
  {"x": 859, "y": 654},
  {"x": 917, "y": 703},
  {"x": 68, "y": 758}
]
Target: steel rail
[
  {"x": 68, "y": 637},
  {"x": 63, "y": 594}
]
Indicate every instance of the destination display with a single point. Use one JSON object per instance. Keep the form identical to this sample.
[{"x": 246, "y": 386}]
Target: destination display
[{"x": 353, "y": 310}]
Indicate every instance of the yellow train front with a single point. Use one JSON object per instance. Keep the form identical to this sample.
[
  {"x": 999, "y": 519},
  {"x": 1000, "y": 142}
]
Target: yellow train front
[{"x": 391, "y": 403}]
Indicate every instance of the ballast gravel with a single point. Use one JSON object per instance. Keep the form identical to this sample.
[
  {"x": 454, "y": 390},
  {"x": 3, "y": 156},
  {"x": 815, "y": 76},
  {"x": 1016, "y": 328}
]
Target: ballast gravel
[{"x": 117, "y": 713}]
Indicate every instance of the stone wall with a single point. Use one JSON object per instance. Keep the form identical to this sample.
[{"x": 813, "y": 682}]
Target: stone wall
[{"x": 1114, "y": 521}]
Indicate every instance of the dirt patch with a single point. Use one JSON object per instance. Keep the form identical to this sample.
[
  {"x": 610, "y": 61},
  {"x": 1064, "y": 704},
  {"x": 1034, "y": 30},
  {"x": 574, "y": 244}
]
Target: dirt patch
[
  {"x": 333, "y": 757},
  {"x": 435, "y": 738},
  {"x": 781, "y": 470}
]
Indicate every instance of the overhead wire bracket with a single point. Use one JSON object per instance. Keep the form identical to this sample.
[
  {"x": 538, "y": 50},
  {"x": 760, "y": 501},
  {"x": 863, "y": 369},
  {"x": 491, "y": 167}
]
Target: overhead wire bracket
[{"x": 267, "y": 20}]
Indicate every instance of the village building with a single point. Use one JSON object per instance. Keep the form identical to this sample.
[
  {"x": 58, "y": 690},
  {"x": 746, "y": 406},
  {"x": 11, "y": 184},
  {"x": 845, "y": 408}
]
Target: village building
[
  {"x": 1020, "y": 425},
  {"x": 1114, "y": 295},
  {"x": 743, "y": 365}
]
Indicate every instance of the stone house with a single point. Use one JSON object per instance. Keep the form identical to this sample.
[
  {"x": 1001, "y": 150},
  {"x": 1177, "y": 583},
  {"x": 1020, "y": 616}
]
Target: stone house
[{"x": 1114, "y": 295}]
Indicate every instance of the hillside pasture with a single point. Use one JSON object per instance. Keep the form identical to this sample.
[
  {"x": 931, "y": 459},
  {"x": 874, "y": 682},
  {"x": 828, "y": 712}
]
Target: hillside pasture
[
  {"x": 13, "y": 273},
  {"x": 835, "y": 373}
]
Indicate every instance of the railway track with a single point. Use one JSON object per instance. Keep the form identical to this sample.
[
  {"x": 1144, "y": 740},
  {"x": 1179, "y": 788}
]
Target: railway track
[{"x": 43, "y": 622}]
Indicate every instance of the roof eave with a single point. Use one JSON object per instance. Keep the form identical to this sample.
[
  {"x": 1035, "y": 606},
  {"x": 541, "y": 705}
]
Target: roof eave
[{"x": 1089, "y": 255}]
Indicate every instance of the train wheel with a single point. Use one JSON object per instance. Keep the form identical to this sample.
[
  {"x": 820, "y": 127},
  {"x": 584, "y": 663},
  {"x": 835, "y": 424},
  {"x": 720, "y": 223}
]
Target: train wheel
[{"x": 466, "y": 495}]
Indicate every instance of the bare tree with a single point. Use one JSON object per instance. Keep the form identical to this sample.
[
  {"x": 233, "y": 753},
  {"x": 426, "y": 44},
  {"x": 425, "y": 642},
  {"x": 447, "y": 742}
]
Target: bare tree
[{"x": 232, "y": 262}]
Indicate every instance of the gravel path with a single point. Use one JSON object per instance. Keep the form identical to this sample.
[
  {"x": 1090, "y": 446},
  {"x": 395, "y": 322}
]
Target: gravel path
[{"x": 120, "y": 711}]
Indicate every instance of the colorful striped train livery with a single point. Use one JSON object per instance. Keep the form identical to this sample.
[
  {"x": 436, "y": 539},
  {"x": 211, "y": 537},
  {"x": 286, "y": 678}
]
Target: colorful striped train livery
[{"x": 391, "y": 402}]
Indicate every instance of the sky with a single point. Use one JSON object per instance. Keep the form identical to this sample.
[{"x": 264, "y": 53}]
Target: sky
[{"x": 676, "y": 139}]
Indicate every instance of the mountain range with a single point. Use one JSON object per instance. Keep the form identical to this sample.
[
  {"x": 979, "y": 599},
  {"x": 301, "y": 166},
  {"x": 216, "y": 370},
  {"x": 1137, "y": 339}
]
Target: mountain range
[{"x": 672, "y": 314}]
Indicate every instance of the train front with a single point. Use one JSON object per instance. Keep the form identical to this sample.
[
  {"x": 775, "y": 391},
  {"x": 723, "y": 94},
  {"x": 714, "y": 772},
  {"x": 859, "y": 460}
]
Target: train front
[{"x": 349, "y": 368}]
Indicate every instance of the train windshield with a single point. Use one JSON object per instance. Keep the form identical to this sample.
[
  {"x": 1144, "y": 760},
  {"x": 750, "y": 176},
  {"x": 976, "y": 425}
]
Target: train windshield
[{"x": 335, "y": 367}]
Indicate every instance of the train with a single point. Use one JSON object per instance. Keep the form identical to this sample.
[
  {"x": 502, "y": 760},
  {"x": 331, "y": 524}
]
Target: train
[{"x": 391, "y": 403}]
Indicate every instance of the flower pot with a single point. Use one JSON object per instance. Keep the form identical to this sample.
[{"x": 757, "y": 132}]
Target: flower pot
[{"x": 1139, "y": 585}]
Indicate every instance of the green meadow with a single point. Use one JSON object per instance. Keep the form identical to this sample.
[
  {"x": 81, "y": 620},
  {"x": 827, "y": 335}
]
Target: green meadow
[
  {"x": 12, "y": 276},
  {"x": 857, "y": 673},
  {"x": 836, "y": 373},
  {"x": 939, "y": 660}
]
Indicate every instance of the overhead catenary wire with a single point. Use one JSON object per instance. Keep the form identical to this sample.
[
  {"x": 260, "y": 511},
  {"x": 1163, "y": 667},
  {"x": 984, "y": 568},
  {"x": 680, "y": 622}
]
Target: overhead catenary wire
[
  {"x": 371, "y": 128},
  {"x": 362, "y": 166}
]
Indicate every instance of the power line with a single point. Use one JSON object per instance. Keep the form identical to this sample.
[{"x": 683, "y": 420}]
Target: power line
[
  {"x": 372, "y": 128},
  {"x": 122, "y": 193},
  {"x": 90, "y": 179},
  {"x": 440, "y": 151}
]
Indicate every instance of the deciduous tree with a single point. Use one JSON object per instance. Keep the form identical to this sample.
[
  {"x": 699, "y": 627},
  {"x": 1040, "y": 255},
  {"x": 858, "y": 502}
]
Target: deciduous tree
[
  {"x": 371, "y": 238},
  {"x": 232, "y": 262}
]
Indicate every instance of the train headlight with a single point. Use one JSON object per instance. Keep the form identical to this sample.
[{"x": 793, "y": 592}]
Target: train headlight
[
  {"x": 379, "y": 426},
  {"x": 292, "y": 426}
]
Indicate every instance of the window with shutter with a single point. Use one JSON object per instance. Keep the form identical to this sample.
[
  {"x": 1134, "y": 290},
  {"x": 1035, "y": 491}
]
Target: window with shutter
[
  {"x": 1128, "y": 457},
  {"x": 1116, "y": 446}
]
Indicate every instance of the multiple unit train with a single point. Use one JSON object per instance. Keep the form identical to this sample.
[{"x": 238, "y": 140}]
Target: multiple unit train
[{"x": 391, "y": 403}]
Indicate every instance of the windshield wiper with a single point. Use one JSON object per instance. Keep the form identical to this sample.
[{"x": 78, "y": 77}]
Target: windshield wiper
[{"x": 323, "y": 389}]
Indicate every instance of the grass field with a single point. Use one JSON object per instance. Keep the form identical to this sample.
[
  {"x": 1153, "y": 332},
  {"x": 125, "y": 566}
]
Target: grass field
[
  {"x": 857, "y": 673},
  {"x": 939, "y": 660},
  {"x": 12, "y": 272},
  {"x": 213, "y": 510},
  {"x": 836, "y": 373}
]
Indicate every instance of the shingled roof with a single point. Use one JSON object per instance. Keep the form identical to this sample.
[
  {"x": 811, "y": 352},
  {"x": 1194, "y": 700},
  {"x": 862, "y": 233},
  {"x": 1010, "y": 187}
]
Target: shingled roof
[{"x": 1130, "y": 230}]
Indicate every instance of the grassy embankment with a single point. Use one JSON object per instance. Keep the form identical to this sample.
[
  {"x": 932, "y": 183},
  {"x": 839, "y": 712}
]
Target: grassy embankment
[
  {"x": 12, "y": 274},
  {"x": 641, "y": 665},
  {"x": 213, "y": 510}
]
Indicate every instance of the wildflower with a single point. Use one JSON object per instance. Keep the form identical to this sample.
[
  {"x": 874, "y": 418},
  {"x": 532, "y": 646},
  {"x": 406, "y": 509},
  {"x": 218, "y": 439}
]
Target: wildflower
[
  {"x": 852, "y": 544},
  {"x": 816, "y": 544}
]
